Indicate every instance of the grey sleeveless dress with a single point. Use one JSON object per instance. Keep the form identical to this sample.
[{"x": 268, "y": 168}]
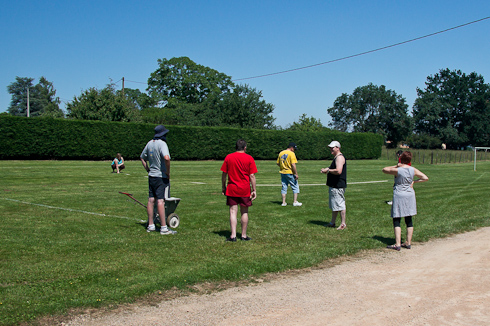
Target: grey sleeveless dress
[{"x": 404, "y": 203}]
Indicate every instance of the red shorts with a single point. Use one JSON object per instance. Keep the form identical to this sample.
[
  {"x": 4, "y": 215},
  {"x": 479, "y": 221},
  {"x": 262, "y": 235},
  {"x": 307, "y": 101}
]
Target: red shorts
[{"x": 242, "y": 201}]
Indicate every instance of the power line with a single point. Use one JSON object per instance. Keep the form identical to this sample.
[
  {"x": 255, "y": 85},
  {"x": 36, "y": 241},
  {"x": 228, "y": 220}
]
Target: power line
[
  {"x": 366, "y": 52},
  {"x": 131, "y": 81}
]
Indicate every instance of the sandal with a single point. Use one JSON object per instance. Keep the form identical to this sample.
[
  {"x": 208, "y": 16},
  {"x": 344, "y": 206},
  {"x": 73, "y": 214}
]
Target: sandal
[
  {"x": 406, "y": 246},
  {"x": 330, "y": 225},
  {"x": 394, "y": 247},
  {"x": 342, "y": 226}
]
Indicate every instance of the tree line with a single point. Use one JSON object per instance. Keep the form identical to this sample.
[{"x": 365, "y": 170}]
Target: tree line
[{"x": 453, "y": 108}]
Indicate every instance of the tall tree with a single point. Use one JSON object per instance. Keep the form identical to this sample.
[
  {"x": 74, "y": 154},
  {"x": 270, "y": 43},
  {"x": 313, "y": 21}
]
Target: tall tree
[
  {"x": 46, "y": 97},
  {"x": 42, "y": 98},
  {"x": 183, "y": 79},
  {"x": 106, "y": 104},
  {"x": 374, "y": 109},
  {"x": 201, "y": 96},
  {"x": 307, "y": 124},
  {"x": 140, "y": 99},
  {"x": 455, "y": 108},
  {"x": 242, "y": 108},
  {"x": 245, "y": 108}
]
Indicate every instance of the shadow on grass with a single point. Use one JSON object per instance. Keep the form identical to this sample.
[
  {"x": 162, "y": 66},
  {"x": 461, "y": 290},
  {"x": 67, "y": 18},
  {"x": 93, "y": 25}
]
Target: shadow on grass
[
  {"x": 277, "y": 202},
  {"x": 320, "y": 223},
  {"x": 225, "y": 234},
  {"x": 386, "y": 241}
]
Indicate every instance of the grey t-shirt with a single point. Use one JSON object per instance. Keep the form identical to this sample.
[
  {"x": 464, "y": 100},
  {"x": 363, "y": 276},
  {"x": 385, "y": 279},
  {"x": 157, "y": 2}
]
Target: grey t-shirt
[{"x": 154, "y": 152}]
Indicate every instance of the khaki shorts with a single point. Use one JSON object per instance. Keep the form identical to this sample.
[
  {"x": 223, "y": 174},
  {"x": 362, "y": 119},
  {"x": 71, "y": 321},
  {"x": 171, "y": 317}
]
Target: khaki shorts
[{"x": 336, "y": 199}]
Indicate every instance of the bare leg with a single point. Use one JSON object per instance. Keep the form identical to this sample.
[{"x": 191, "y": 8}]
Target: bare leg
[
  {"x": 334, "y": 217},
  {"x": 295, "y": 197},
  {"x": 409, "y": 235},
  {"x": 283, "y": 199},
  {"x": 161, "y": 212},
  {"x": 233, "y": 220},
  {"x": 398, "y": 236},
  {"x": 244, "y": 220},
  {"x": 342, "y": 218},
  {"x": 149, "y": 210}
]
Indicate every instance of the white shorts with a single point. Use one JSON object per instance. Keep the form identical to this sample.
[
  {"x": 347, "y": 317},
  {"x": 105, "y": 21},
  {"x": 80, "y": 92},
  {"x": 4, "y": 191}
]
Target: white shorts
[{"x": 336, "y": 199}]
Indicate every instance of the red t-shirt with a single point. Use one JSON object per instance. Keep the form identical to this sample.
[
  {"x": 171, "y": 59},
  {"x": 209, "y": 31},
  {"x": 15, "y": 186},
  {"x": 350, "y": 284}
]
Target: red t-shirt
[{"x": 239, "y": 166}]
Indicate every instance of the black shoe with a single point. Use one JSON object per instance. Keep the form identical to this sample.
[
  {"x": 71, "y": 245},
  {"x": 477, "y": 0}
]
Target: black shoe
[
  {"x": 246, "y": 238},
  {"x": 231, "y": 239}
]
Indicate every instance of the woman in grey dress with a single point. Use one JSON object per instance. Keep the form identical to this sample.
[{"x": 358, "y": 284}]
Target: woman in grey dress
[{"x": 404, "y": 203}]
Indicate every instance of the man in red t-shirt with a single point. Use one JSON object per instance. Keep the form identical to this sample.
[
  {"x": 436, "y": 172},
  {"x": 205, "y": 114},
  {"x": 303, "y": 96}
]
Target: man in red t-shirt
[{"x": 239, "y": 168}]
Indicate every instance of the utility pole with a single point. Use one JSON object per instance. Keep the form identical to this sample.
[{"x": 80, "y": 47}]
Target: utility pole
[
  {"x": 123, "y": 86},
  {"x": 28, "y": 108}
]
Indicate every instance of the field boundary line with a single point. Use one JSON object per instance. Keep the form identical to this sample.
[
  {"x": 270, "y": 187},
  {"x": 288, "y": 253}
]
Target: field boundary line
[
  {"x": 321, "y": 184},
  {"x": 69, "y": 209}
]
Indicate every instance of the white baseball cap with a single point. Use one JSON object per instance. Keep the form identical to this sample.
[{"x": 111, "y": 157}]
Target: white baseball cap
[{"x": 334, "y": 144}]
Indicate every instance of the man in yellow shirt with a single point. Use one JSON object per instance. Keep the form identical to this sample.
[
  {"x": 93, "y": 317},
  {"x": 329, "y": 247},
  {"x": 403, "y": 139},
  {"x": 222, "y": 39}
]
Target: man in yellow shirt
[{"x": 289, "y": 174}]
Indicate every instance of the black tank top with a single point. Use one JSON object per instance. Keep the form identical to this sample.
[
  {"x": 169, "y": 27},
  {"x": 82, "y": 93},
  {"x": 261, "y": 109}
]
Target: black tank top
[{"x": 337, "y": 181}]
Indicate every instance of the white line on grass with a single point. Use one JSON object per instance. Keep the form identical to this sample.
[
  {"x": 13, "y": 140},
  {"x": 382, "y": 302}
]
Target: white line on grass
[
  {"x": 322, "y": 184},
  {"x": 69, "y": 209}
]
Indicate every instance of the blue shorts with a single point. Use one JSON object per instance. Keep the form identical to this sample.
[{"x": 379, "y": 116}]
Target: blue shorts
[
  {"x": 289, "y": 179},
  {"x": 158, "y": 188}
]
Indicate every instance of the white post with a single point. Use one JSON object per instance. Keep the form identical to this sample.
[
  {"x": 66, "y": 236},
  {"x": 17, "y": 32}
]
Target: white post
[
  {"x": 474, "y": 167},
  {"x": 28, "y": 108}
]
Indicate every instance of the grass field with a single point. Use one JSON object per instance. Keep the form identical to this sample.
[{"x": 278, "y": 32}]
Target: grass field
[{"x": 56, "y": 254}]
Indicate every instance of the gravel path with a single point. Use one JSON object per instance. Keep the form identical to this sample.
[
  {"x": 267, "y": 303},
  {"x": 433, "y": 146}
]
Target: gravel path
[{"x": 442, "y": 282}]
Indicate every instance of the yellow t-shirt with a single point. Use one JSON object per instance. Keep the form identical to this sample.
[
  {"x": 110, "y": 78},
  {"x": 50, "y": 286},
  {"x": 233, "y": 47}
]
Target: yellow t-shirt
[{"x": 285, "y": 160}]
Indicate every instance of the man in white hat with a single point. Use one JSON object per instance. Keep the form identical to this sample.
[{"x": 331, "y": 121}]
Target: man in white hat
[{"x": 336, "y": 182}]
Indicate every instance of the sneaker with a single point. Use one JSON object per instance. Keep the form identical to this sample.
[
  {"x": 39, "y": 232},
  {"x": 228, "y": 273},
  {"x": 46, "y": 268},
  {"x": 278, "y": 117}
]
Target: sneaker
[
  {"x": 297, "y": 204},
  {"x": 284, "y": 204},
  {"x": 167, "y": 231},
  {"x": 230, "y": 239},
  {"x": 246, "y": 238},
  {"x": 150, "y": 228}
]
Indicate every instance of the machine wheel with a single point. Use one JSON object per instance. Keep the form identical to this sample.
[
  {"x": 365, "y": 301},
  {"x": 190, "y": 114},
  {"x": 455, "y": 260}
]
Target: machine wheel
[{"x": 173, "y": 220}]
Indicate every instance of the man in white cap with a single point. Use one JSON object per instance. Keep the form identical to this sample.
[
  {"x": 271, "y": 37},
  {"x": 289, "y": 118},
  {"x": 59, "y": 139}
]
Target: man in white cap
[
  {"x": 336, "y": 182},
  {"x": 157, "y": 154}
]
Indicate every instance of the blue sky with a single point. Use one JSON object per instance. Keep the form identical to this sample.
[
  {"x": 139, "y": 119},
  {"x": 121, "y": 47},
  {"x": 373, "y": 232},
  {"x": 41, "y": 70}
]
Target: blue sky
[{"x": 81, "y": 44}]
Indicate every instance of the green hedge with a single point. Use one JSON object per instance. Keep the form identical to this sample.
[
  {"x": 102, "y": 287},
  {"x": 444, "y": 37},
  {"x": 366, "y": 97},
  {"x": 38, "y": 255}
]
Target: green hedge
[{"x": 48, "y": 138}]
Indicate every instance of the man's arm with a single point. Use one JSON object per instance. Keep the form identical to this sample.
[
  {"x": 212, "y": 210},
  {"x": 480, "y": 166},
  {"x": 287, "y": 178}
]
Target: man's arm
[
  {"x": 167, "y": 165},
  {"x": 223, "y": 183},
  {"x": 254, "y": 187},
  {"x": 295, "y": 172},
  {"x": 143, "y": 162},
  {"x": 339, "y": 163}
]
